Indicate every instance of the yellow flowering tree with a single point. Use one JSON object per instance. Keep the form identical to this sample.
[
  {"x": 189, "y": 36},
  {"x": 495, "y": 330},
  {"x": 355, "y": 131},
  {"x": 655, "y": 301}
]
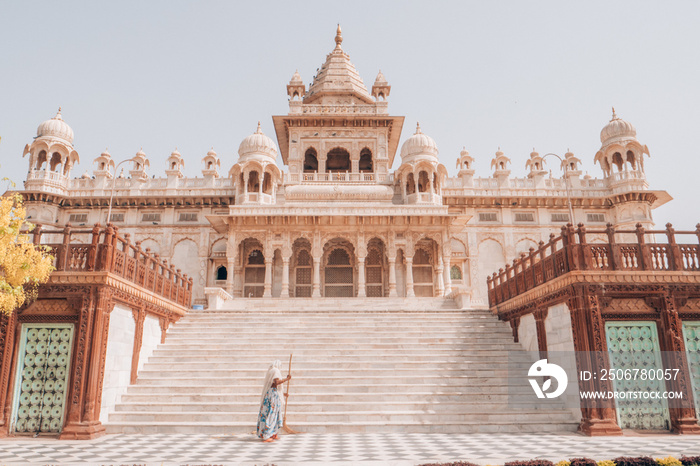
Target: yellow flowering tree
[{"x": 23, "y": 265}]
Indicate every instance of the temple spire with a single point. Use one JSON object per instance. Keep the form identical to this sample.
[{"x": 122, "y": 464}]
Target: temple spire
[{"x": 338, "y": 38}]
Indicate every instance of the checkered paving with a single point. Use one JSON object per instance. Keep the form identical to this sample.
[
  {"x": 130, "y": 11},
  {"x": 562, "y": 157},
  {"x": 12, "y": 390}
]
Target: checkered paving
[{"x": 394, "y": 449}]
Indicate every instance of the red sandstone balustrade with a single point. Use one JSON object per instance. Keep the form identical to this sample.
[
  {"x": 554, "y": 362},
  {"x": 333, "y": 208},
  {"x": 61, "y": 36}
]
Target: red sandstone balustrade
[
  {"x": 107, "y": 251},
  {"x": 571, "y": 251}
]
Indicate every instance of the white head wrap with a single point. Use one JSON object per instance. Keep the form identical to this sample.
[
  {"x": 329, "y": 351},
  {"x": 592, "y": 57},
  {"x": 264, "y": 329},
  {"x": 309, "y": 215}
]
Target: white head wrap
[{"x": 272, "y": 373}]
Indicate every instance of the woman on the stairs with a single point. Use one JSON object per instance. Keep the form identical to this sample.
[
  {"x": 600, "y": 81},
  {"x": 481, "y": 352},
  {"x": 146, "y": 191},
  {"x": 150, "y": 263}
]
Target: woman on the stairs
[{"x": 271, "y": 404}]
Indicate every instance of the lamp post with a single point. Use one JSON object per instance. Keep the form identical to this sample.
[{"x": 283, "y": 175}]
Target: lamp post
[
  {"x": 566, "y": 184},
  {"x": 114, "y": 184}
]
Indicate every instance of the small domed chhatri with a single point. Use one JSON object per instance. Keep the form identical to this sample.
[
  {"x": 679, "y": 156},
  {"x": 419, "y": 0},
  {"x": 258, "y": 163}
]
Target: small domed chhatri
[
  {"x": 258, "y": 143},
  {"x": 418, "y": 144},
  {"x": 617, "y": 128},
  {"x": 56, "y": 127}
]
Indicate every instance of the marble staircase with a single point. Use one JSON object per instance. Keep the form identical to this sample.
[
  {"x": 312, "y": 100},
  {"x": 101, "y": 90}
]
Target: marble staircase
[{"x": 355, "y": 369}]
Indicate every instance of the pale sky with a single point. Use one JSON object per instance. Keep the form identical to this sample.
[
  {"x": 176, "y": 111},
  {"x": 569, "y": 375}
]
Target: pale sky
[{"x": 484, "y": 75}]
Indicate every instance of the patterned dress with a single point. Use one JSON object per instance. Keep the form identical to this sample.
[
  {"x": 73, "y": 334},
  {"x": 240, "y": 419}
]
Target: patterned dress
[{"x": 270, "y": 417}]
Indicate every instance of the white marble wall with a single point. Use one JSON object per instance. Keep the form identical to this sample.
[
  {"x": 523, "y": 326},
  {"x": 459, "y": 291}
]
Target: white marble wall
[
  {"x": 558, "y": 328},
  {"x": 527, "y": 333},
  {"x": 120, "y": 346},
  {"x": 151, "y": 339}
]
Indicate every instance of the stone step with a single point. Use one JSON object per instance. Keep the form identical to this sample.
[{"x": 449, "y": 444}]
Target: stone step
[
  {"x": 302, "y": 367},
  {"x": 445, "y": 397},
  {"x": 191, "y": 388},
  {"x": 325, "y": 349},
  {"x": 368, "y": 426},
  {"x": 348, "y": 416},
  {"x": 262, "y": 362},
  {"x": 389, "y": 380},
  {"x": 297, "y": 406},
  {"x": 331, "y": 373},
  {"x": 267, "y": 356}
]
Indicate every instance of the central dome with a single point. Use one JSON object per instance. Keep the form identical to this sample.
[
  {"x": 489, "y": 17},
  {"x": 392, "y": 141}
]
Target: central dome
[
  {"x": 258, "y": 143},
  {"x": 56, "y": 127},
  {"x": 419, "y": 144}
]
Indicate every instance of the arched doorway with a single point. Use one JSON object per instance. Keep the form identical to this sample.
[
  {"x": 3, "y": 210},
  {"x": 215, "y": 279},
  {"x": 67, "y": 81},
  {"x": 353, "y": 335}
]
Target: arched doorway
[
  {"x": 374, "y": 269},
  {"x": 253, "y": 270},
  {"x": 302, "y": 265},
  {"x": 423, "y": 264},
  {"x": 338, "y": 160},
  {"x": 338, "y": 274}
]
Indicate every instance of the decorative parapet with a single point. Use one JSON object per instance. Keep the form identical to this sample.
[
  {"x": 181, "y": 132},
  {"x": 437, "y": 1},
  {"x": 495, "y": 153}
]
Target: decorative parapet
[
  {"x": 216, "y": 297},
  {"x": 110, "y": 253},
  {"x": 570, "y": 252}
]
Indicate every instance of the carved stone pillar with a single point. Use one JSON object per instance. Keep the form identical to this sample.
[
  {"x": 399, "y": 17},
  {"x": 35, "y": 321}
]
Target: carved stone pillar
[
  {"x": 448, "y": 278},
  {"x": 588, "y": 330},
  {"x": 285, "y": 277},
  {"x": 392, "y": 277},
  {"x": 230, "y": 274},
  {"x": 540, "y": 317},
  {"x": 440, "y": 277},
  {"x": 139, "y": 318},
  {"x": 86, "y": 393},
  {"x": 7, "y": 344},
  {"x": 682, "y": 412},
  {"x": 316, "y": 290},
  {"x": 361, "y": 289},
  {"x": 267, "y": 289},
  {"x": 409, "y": 278}
]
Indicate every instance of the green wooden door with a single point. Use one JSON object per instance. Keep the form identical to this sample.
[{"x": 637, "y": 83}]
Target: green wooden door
[
  {"x": 691, "y": 333},
  {"x": 635, "y": 345},
  {"x": 43, "y": 372}
]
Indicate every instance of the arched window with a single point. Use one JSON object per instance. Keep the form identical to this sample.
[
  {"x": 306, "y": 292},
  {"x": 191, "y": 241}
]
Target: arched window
[
  {"x": 267, "y": 183},
  {"x": 221, "y": 273},
  {"x": 617, "y": 161},
  {"x": 338, "y": 160},
  {"x": 410, "y": 184},
  {"x": 423, "y": 182},
  {"x": 455, "y": 273},
  {"x": 256, "y": 258},
  {"x": 435, "y": 183},
  {"x": 209, "y": 165},
  {"x": 631, "y": 159},
  {"x": 253, "y": 182},
  {"x": 310, "y": 161},
  {"x": 55, "y": 162},
  {"x": 41, "y": 160},
  {"x": 366, "y": 164},
  {"x": 173, "y": 165}
]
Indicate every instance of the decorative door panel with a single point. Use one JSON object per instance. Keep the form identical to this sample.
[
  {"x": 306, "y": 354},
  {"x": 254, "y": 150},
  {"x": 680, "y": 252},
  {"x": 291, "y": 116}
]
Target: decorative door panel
[
  {"x": 691, "y": 333},
  {"x": 43, "y": 373},
  {"x": 635, "y": 346}
]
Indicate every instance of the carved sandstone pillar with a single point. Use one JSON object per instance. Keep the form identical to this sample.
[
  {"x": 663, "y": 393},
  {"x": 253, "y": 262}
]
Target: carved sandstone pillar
[
  {"x": 230, "y": 273},
  {"x": 285, "y": 277},
  {"x": 267, "y": 289},
  {"x": 392, "y": 277},
  {"x": 361, "y": 288},
  {"x": 316, "y": 290},
  {"x": 409, "y": 278},
  {"x": 540, "y": 317},
  {"x": 448, "y": 279},
  {"x": 588, "y": 329},
  {"x": 440, "y": 277},
  {"x": 682, "y": 412}
]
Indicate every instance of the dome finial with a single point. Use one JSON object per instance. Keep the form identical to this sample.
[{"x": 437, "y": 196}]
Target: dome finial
[
  {"x": 338, "y": 37},
  {"x": 418, "y": 131},
  {"x": 58, "y": 115},
  {"x": 614, "y": 117},
  {"x": 259, "y": 130}
]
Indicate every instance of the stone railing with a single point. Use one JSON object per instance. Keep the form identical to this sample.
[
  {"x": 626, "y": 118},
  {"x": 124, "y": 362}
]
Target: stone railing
[
  {"x": 570, "y": 251},
  {"x": 338, "y": 177},
  {"x": 110, "y": 252}
]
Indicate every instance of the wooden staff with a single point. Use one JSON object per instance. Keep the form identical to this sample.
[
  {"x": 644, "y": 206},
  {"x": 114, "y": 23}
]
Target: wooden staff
[{"x": 285, "y": 427}]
